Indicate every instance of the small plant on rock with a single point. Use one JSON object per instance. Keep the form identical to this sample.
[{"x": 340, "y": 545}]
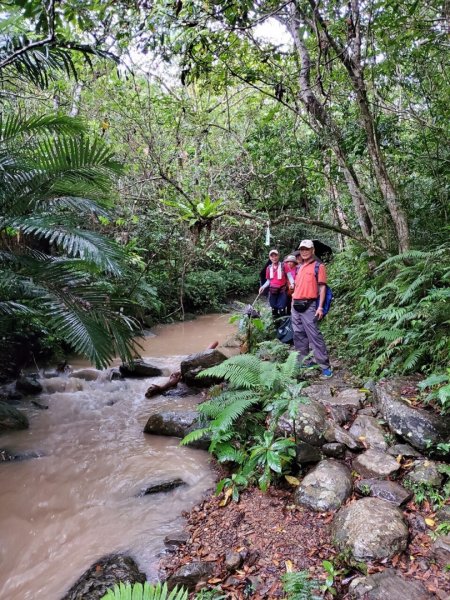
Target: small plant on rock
[{"x": 137, "y": 591}]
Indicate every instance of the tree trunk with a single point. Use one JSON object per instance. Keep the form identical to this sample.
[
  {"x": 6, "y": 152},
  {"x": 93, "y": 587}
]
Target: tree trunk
[{"x": 354, "y": 66}]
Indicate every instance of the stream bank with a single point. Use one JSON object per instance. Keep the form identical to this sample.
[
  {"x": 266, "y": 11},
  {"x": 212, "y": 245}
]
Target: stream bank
[{"x": 394, "y": 552}]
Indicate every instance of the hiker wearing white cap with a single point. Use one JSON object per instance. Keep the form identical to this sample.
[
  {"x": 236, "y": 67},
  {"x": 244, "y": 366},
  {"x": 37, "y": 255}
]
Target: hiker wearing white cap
[
  {"x": 307, "y": 308},
  {"x": 277, "y": 281}
]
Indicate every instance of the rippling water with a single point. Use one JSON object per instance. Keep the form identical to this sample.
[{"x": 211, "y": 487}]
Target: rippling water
[{"x": 77, "y": 502}]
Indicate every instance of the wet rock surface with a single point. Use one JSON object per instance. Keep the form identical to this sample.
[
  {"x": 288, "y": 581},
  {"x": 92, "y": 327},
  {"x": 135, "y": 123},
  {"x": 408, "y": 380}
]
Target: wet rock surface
[
  {"x": 161, "y": 486},
  {"x": 335, "y": 433},
  {"x": 11, "y": 419},
  {"x": 416, "y": 426},
  {"x": 326, "y": 487},
  {"x": 28, "y": 384},
  {"x": 425, "y": 471},
  {"x": 103, "y": 575},
  {"x": 388, "y": 585},
  {"x": 176, "y": 424},
  {"x": 368, "y": 429},
  {"x": 373, "y": 463},
  {"x": 190, "y": 575},
  {"x": 441, "y": 550},
  {"x": 310, "y": 424},
  {"x": 342, "y": 404},
  {"x": 370, "y": 528},
  {"x": 386, "y": 490},
  {"x": 140, "y": 368},
  {"x": 194, "y": 364}
]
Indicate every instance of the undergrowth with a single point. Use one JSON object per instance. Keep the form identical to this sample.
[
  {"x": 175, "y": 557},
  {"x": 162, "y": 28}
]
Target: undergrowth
[{"x": 393, "y": 318}]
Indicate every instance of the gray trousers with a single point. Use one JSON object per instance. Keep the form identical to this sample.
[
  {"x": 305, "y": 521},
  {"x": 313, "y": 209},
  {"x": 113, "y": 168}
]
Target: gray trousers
[{"x": 307, "y": 336}]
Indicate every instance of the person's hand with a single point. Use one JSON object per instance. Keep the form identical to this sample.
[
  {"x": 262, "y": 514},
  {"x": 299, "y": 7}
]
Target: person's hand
[
  {"x": 261, "y": 289},
  {"x": 319, "y": 313}
]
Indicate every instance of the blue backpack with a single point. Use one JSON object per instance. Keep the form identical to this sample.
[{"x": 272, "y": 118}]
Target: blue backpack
[{"x": 328, "y": 294}]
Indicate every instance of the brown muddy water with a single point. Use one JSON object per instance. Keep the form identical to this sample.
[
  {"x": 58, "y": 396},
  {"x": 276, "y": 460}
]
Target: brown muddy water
[{"x": 77, "y": 501}]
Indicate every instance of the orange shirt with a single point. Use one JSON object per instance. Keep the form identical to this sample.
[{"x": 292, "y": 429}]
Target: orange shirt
[{"x": 306, "y": 285}]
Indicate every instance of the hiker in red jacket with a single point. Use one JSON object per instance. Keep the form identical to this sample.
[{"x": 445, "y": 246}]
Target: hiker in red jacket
[{"x": 305, "y": 313}]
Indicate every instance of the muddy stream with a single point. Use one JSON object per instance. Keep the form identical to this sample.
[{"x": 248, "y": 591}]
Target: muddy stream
[{"x": 77, "y": 501}]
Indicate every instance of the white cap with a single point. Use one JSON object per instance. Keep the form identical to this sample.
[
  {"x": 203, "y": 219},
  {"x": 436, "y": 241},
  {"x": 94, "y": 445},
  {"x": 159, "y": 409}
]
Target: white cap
[
  {"x": 274, "y": 251},
  {"x": 306, "y": 244}
]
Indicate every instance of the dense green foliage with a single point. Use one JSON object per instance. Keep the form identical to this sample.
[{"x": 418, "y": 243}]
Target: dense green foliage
[{"x": 399, "y": 323}]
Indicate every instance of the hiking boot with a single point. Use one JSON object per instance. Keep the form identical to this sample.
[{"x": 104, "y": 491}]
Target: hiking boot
[{"x": 326, "y": 374}]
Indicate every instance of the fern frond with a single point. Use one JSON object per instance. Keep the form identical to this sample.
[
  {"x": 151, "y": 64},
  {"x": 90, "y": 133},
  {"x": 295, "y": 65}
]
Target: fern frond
[
  {"x": 289, "y": 368},
  {"x": 232, "y": 412},
  {"x": 243, "y": 370},
  {"x": 195, "y": 435}
]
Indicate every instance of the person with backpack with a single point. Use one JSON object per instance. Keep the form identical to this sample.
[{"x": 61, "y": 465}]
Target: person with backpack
[
  {"x": 277, "y": 281},
  {"x": 308, "y": 307}
]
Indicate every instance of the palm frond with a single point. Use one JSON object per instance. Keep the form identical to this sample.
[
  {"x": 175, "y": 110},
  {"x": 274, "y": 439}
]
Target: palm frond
[{"x": 12, "y": 126}]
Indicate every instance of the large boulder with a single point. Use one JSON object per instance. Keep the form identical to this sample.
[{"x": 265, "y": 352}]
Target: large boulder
[
  {"x": 11, "y": 418},
  {"x": 326, "y": 487},
  {"x": 140, "y": 368},
  {"x": 418, "y": 427},
  {"x": 373, "y": 463},
  {"x": 370, "y": 529},
  {"x": 194, "y": 364},
  {"x": 387, "y": 585},
  {"x": 103, "y": 575},
  {"x": 309, "y": 425},
  {"x": 176, "y": 424},
  {"x": 441, "y": 550}
]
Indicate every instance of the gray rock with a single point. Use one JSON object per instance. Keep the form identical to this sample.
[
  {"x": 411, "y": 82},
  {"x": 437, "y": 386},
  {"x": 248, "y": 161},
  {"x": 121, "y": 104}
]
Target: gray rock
[
  {"x": 39, "y": 405},
  {"x": 370, "y": 385},
  {"x": 425, "y": 471},
  {"x": 162, "y": 486},
  {"x": 140, "y": 368},
  {"x": 334, "y": 449},
  {"x": 190, "y": 575},
  {"x": 417, "y": 426},
  {"x": 373, "y": 463},
  {"x": 310, "y": 424},
  {"x": 386, "y": 490},
  {"x": 176, "y": 424},
  {"x": 370, "y": 529},
  {"x": 404, "y": 450},
  {"x": 441, "y": 550},
  {"x": 181, "y": 391},
  {"x": 307, "y": 453},
  {"x": 177, "y": 538},
  {"x": 342, "y": 405},
  {"x": 443, "y": 514},
  {"x": 335, "y": 433},
  {"x": 194, "y": 364},
  {"x": 7, "y": 455},
  {"x": 104, "y": 574},
  {"x": 233, "y": 560},
  {"x": 11, "y": 418},
  {"x": 370, "y": 431},
  {"x": 326, "y": 487},
  {"x": 28, "y": 385},
  {"x": 368, "y": 410},
  {"x": 387, "y": 585}
]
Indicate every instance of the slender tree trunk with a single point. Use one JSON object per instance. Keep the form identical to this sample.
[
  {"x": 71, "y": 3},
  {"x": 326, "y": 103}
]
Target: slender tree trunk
[
  {"x": 322, "y": 118},
  {"x": 339, "y": 216},
  {"x": 76, "y": 99},
  {"x": 354, "y": 66}
]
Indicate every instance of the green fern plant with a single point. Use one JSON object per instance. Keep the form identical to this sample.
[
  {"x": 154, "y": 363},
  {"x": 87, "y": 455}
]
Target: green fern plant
[
  {"x": 439, "y": 384},
  {"x": 298, "y": 585},
  {"x": 137, "y": 591},
  {"x": 396, "y": 320},
  {"x": 256, "y": 395}
]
